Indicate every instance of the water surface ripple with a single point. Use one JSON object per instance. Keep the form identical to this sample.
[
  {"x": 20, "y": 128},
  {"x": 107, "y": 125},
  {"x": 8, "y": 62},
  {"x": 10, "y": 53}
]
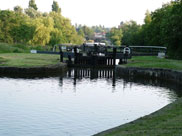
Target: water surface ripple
[{"x": 73, "y": 105}]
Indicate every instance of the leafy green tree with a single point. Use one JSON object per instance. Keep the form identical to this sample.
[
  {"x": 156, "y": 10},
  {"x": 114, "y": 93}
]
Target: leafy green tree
[
  {"x": 55, "y": 7},
  {"x": 163, "y": 28},
  {"x": 130, "y": 33},
  {"x": 88, "y": 32},
  {"x": 81, "y": 33},
  {"x": 171, "y": 29},
  {"x": 36, "y": 28},
  {"x": 31, "y": 12},
  {"x": 8, "y": 20},
  {"x": 44, "y": 26},
  {"x": 59, "y": 25},
  {"x": 32, "y": 4},
  {"x": 148, "y": 17},
  {"x": 18, "y": 9},
  {"x": 115, "y": 36},
  {"x": 22, "y": 29},
  {"x": 56, "y": 37},
  {"x": 67, "y": 32}
]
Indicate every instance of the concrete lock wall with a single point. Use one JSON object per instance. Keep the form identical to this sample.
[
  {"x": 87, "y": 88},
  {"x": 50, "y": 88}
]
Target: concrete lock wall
[{"x": 165, "y": 74}]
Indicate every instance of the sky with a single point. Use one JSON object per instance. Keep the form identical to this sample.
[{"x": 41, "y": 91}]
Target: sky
[{"x": 94, "y": 12}]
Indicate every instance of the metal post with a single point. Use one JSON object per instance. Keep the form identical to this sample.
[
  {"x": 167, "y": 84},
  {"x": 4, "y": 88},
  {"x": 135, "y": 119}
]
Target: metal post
[
  {"x": 114, "y": 56},
  {"x": 75, "y": 54},
  {"x": 61, "y": 54}
]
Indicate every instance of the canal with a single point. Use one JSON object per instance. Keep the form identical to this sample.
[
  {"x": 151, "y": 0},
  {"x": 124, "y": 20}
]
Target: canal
[{"x": 81, "y": 102}]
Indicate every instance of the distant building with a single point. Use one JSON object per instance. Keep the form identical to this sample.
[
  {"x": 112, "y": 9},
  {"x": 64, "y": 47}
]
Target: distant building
[{"x": 100, "y": 35}]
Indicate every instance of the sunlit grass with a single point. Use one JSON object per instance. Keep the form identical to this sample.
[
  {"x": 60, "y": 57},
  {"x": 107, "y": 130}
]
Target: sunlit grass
[
  {"x": 27, "y": 59},
  {"x": 166, "y": 122},
  {"x": 154, "y": 62}
]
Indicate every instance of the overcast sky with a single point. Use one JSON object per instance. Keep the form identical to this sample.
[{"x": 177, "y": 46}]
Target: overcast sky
[{"x": 95, "y": 12}]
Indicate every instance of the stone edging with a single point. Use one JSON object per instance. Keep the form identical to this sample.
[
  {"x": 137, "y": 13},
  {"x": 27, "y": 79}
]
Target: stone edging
[
  {"x": 166, "y": 74},
  {"x": 32, "y": 71}
]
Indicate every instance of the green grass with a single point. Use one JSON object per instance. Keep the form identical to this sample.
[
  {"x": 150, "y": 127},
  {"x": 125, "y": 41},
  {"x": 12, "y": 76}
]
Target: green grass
[
  {"x": 27, "y": 59},
  {"x": 17, "y": 55},
  {"x": 154, "y": 62},
  {"x": 166, "y": 122}
]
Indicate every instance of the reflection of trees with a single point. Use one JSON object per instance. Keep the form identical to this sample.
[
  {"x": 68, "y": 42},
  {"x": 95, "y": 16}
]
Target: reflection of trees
[{"x": 173, "y": 86}]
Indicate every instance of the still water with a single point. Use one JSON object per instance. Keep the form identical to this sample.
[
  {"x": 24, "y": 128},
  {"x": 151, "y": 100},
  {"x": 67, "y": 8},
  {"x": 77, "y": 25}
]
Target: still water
[{"x": 79, "y": 103}]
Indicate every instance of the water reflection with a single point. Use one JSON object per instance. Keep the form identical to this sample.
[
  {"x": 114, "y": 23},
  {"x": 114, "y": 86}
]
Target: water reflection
[
  {"x": 173, "y": 86},
  {"x": 81, "y": 102},
  {"x": 93, "y": 74},
  {"x": 78, "y": 74}
]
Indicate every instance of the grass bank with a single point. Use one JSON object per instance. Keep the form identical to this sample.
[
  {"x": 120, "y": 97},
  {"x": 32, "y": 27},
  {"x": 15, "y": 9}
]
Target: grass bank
[
  {"x": 165, "y": 122},
  {"x": 154, "y": 62},
  {"x": 27, "y": 59}
]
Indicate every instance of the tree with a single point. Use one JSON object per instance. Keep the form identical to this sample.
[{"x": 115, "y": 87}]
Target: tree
[
  {"x": 81, "y": 33},
  {"x": 31, "y": 12},
  {"x": 18, "y": 9},
  {"x": 36, "y": 28},
  {"x": 88, "y": 32},
  {"x": 55, "y": 7},
  {"x": 8, "y": 20},
  {"x": 115, "y": 36},
  {"x": 44, "y": 26},
  {"x": 32, "y": 4},
  {"x": 56, "y": 37},
  {"x": 130, "y": 31},
  {"x": 171, "y": 29},
  {"x": 148, "y": 17}
]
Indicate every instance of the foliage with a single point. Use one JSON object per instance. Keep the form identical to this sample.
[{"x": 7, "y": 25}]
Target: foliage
[
  {"x": 89, "y": 32},
  {"x": 163, "y": 27},
  {"x": 32, "y": 4},
  {"x": 55, "y": 7},
  {"x": 148, "y": 17},
  {"x": 32, "y": 13},
  {"x": 20, "y": 48},
  {"x": 130, "y": 33},
  {"x": 98, "y": 29},
  {"x": 115, "y": 35},
  {"x": 36, "y": 28},
  {"x": 44, "y": 26},
  {"x": 7, "y": 22},
  {"x": 18, "y": 9}
]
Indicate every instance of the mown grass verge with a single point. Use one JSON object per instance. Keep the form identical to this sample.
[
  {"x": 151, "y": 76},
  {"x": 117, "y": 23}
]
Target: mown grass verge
[
  {"x": 154, "y": 62},
  {"x": 165, "y": 122},
  {"x": 27, "y": 59}
]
